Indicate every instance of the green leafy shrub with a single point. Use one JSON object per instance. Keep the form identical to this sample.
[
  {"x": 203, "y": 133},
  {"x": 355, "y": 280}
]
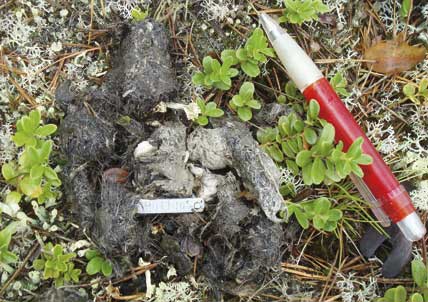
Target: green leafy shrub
[
  {"x": 32, "y": 175},
  {"x": 395, "y": 294},
  {"x": 97, "y": 263},
  {"x": 319, "y": 211},
  {"x": 207, "y": 110},
  {"x": 216, "y": 74},
  {"x": 243, "y": 103},
  {"x": 299, "y": 11},
  {"x": 255, "y": 51},
  {"x": 418, "y": 94},
  {"x": 339, "y": 83},
  {"x": 420, "y": 294},
  {"x": 57, "y": 265},
  {"x": 6, "y": 256},
  {"x": 307, "y": 146}
]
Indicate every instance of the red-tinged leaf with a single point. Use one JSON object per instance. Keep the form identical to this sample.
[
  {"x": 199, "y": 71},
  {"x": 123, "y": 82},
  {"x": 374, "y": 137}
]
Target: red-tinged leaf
[
  {"x": 392, "y": 56},
  {"x": 116, "y": 175}
]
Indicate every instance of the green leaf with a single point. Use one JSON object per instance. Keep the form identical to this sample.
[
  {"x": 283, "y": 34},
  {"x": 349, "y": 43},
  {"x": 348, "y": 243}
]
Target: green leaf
[
  {"x": 338, "y": 82},
  {"x": 226, "y": 81},
  {"x": 245, "y": 113},
  {"x": 37, "y": 171},
  {"x": 318, "y": 223},
  {"x": 357, "y": 170},
  {"x": 405, "y": 8},
  {"x": 241, "y": 54},
  {"x": 213, "y": 111},
  {"x": 50, "y": 173},
  {"x": 423, "y": 85},
  {"x": 281, "y": 99},
  {"x": 138, "y": 15},
  {"x": 330, "y": 171},
  {"x": 318, "y": 171},
  {"x": 8, "y": 171},
  {"x": 201, "y": 104},
  {"x": 94, "y": 266},
  {"x": 416, "y": 297},
  {"x": 347, "y": 167},
  {"x": 285, "y": 146},
  {"x": 21, "y": 139},
  {"x": 206, "y": 63},
  {"x": 400, "y": 294},
  {"x": 327, "y": 134},
  {"x": 39, "y": 264},
  {"x": 364, "y": 159},
  {"x": 9, "y": 257},
  {"x": 229, "y": 54},
  {"x": 215, "y": 65},
  {"x": 35, "y": 118},
  {"x": 250, "y": 69},
  {"x": 409, "y": 90},
  {"x": 303, "y": 158},
  {"x": 57, "y": 250},
  {"x": 322, "y": 205},
  {"x": 247, "y": 90},
  {"x": 302, "y": 219},
  {"x": 310, "y": 209},
  {"x": 216, "y": 113},
  {"x": 61, "y": 266},
  {"x": 198, "y": 78},
  {"x": 209, "y": 107},
  {"x": 293, "y": 145},
  {"x": 355, "y": 150},
  {"x": 335, "y": 214},
  {"x": 237, "y": 101},
  {"x": 314, "y": 109},
  {"x": 290, "y": 89},
  {"x": 292, "y": 166},
  {"x": 5, "y": 238},
  {"x": 75, "y": 275},
  {"x": 310, "y": 135},
  {"x": 270, "y": 52},
  {"x": 275, "y": 153},
  {"x": 106, "y": 268},
  {"x": 202, "y": 120},
  {"x": 29, "y": 188},
  {"x": 46, "y": 130},
  {"x": 266, "y": 135},
  {"x": 28, "y": 126},
  {"x": 45, "y": 150},
  {"x": 419, "y": 272},
  {"x": 13, "y": 197},
  {"x": 307, "y": 174},
  {"x": 298, "y": 125},
  {"x": 91, "y": 254},
  {"x": 254, "y": 104},
  {"x": 330, "y": 226}
]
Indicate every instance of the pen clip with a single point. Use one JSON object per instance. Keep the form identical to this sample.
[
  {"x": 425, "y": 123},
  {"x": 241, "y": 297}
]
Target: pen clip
[{"x": 373, "y": 202}]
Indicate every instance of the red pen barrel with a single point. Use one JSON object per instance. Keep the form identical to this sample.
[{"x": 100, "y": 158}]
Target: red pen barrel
[{"x": 395, "y": 200}]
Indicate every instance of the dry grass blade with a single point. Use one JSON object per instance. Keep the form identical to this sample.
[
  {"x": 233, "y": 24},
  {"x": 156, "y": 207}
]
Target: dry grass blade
[{"x": 23, "y": 93}]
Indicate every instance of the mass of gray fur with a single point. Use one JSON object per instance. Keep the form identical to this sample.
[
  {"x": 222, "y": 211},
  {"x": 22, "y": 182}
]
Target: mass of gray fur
[
  {"x": 233, "y": 146},
  {"x": 142, "y": 73}
]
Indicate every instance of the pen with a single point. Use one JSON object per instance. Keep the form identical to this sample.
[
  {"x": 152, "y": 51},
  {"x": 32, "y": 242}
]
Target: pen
[{"x": 388, "y": 199}]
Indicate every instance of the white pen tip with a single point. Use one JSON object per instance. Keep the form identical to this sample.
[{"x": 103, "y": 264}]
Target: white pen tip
[
  {"x": 271, "y": 27},
  {"x": 299, "y": 66}
]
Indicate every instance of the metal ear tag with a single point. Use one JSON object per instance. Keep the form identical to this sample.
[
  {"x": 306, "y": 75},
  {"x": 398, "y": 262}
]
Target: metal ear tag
[{"x": 170, "y": 206}]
